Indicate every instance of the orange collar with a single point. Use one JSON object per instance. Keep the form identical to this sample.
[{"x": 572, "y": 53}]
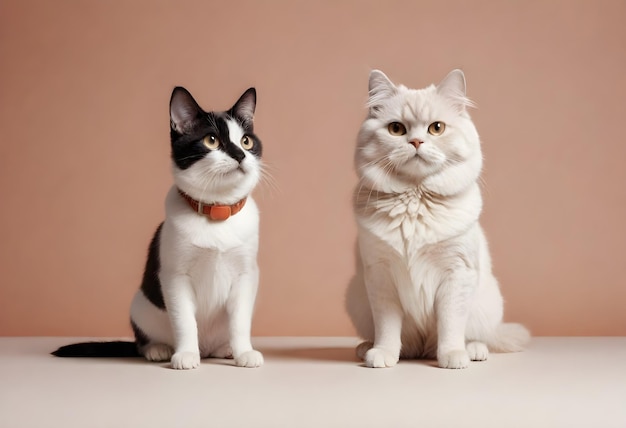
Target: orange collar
[{"x": 215, "y": 212}]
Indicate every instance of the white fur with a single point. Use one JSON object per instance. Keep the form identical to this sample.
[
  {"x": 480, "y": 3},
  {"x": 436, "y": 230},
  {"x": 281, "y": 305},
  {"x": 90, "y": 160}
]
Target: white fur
[
  {"x": 424, "y": 285},
  {"x": 209, "y": 273}
]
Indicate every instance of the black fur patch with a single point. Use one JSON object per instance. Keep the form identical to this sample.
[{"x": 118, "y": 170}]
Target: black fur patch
[
  {"x": 151, "y": 285},
  {"x": 141, "y": 338}
]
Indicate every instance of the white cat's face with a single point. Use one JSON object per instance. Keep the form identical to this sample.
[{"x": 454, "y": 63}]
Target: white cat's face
[{"x": 418, "y": 137}]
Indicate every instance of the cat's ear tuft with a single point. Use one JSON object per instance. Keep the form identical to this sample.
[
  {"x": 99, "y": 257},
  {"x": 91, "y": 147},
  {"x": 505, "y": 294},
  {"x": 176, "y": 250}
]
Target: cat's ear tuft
[
  {"x": 453, "y": 87},
  {"x": 380, "y": 88},
  {"x": 184, "y": 110},
  {"x": 245, "y": 106}
]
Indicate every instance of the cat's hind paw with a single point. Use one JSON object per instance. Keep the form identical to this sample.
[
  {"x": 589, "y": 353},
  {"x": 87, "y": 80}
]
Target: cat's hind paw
[
  {"x": 249, "y": 359},
  {"x": 477, "y": 351},
  {"x": 362, "y": 349},
  {"x": 223, "y": 352},
  {"x": 379, "y": 358},
  {"x": 157, "y": 352},
  {"x": 185, "y": 360},
  {"x": 456, "y": 359}
]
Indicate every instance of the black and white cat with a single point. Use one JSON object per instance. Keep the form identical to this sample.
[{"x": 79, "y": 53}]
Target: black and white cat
[{"x": 200, "y": 281}]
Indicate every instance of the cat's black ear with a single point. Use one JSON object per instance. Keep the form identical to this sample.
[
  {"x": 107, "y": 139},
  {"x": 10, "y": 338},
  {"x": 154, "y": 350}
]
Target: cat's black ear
[
  {"x": 453, "y": 87},
  {"x": 245, "y": 106},
  {"x": 380, "y": 88},
  {"x": 184, "y": 110}
]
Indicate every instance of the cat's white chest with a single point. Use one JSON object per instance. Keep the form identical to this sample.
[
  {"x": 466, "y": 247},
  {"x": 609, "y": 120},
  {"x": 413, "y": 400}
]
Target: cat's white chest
[
  {"x": 409, "y": 220},
  {"x": 195, "y": 230},
  {"x": 403, "y": 221},
  {"x": 211, "y": 254},
  {"x": 212, "y": 273},
  {"x": 410, "y": 215}
]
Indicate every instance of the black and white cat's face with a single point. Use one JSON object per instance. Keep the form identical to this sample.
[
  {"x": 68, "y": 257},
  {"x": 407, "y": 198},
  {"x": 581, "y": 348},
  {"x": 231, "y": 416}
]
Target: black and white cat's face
[
  {"x": 216, "y": 156},
  {"x": 411, "y": 135}
]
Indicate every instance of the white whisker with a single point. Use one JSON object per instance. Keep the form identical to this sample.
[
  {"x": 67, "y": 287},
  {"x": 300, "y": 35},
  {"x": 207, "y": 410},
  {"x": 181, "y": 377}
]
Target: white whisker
[{"x": 267, "y": 179}]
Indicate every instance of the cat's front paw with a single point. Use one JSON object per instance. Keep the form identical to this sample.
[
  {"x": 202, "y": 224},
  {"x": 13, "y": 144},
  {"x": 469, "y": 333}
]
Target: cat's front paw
[
  {"x": 477, "y": 351},
  {"x": 456, "y": 359},
  {"x": 249, "y": 359},
  {"x": 379, "y": 357},
  {"x": 185, "y": 360}
]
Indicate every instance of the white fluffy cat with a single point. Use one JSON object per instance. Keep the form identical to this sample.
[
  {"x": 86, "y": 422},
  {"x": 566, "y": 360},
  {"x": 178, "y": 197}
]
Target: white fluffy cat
[
  {"x": 424, "y": 287},
  {"x": 200, "y": 280}
]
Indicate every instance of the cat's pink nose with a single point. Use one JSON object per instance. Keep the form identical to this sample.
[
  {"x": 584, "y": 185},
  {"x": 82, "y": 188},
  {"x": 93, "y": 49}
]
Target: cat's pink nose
[{"x": 415, "y": 142}]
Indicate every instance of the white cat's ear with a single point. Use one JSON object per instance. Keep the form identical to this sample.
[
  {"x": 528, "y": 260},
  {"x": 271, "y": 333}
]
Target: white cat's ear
[
  {"x": 184, "y": 110},
  {"x": 245, "y": 106},
  {"x": 453, "y": 87},
  {"x": 380, "y": 88},
  {"x": 379, "y": 82}
]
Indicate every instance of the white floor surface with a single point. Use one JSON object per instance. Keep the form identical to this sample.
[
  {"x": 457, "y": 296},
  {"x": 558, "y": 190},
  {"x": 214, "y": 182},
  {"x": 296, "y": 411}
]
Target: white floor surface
[{"x": 317, "y": 382}]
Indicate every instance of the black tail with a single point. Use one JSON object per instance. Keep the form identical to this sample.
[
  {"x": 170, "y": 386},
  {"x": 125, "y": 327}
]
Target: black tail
[{"x": 118, "y": 349}]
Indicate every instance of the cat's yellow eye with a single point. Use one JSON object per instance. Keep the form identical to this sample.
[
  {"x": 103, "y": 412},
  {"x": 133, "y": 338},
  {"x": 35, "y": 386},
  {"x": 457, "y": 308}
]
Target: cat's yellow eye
[
  {"x": 436, "y": 128},
  {"x": 211, "y": 142},
  {"x": 396, "y": 129},
  {"x": 247, "y": 143}
]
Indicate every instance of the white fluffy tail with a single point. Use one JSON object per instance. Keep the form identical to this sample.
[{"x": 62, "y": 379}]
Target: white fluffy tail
[{"x": 509, "y": 337}]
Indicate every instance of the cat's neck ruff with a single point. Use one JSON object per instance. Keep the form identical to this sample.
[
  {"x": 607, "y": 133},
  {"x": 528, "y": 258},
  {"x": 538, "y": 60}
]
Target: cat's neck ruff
[
  {"x": 216, "y": 212},
  {"x": 416, "y": 217},
  {"x": 368, "y": 198}
]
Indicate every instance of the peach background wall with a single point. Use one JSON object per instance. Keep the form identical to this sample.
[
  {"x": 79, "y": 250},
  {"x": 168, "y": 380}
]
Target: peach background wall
[{"x": 84, "y": 150}]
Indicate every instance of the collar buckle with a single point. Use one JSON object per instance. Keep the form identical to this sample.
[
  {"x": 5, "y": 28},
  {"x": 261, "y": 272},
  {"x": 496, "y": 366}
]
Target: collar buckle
[{"x": 215, "y": 212}]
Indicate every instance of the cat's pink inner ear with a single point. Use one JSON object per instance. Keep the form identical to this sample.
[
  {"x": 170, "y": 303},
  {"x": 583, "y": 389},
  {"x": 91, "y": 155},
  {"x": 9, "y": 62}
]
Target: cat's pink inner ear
[
  {"x": 245, "y": 106},
  {"x": 452, "y": 84},
  {"x": 453, "y": 87},
  {"x": 380, "y": 84},
  {"x": 454, "y": 81},
  {"x": 183, "y": 109},
  {"x": 380, "y": 89}
]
